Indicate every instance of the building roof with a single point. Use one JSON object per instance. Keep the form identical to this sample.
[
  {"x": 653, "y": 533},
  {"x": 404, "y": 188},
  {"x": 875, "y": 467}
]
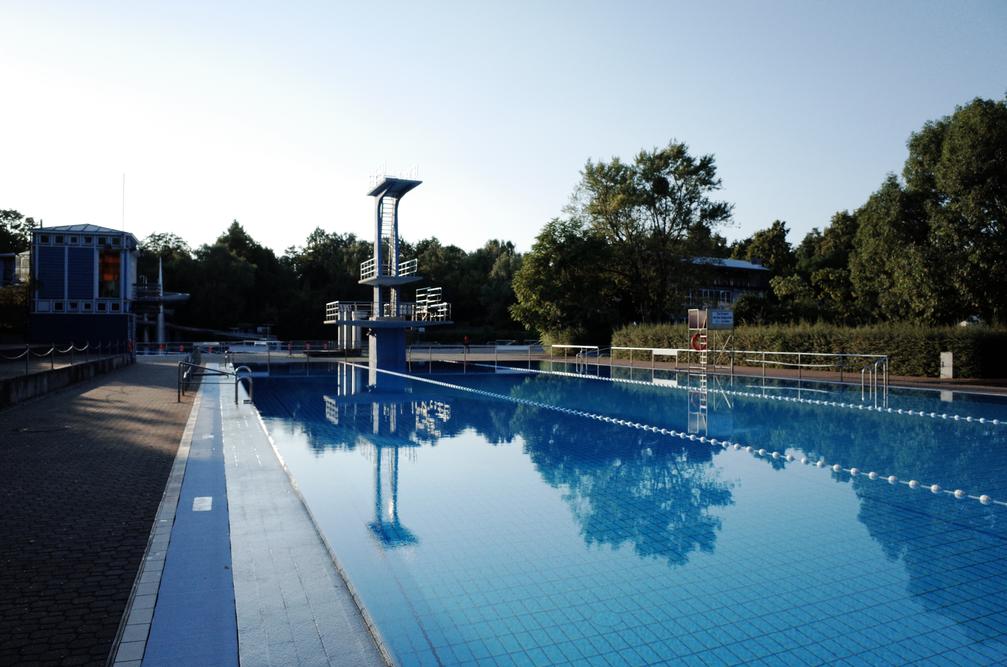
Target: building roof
[
  {"x": 730, "y": 263},
  {"x": 81, "y": 229}
]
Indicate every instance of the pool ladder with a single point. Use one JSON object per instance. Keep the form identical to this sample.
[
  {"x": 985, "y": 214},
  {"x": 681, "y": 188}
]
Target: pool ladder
[{"x": 869, "y": 375}]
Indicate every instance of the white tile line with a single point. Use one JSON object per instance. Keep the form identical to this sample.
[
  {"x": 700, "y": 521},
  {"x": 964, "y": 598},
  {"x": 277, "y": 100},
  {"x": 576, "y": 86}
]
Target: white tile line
[{"x": 152, "y": 566}]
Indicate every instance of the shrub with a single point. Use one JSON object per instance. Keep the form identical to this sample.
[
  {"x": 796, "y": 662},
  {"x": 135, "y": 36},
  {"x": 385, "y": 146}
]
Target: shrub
[{"x": 912, "y": 349}]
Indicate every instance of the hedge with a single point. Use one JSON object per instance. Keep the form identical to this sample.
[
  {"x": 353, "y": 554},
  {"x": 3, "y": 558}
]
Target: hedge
[{"x": 979, "y": 351}]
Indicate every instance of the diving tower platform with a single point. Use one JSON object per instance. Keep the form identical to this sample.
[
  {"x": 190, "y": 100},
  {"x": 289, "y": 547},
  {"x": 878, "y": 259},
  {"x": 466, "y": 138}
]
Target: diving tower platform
[{"x": 385, "y": 319}]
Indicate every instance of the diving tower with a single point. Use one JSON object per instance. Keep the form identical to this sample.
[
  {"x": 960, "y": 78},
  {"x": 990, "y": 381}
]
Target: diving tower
[{"x": 386, "y": 318}]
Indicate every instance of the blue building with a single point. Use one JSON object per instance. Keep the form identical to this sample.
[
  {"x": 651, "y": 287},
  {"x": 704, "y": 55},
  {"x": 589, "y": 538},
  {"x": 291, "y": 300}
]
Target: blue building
[{"x": 83, "y": 280}]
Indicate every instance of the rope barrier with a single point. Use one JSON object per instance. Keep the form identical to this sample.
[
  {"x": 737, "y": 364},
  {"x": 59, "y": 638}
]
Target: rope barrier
[
  {"x": 14, "y": 358},
  {"x": 913, "y": 484}
]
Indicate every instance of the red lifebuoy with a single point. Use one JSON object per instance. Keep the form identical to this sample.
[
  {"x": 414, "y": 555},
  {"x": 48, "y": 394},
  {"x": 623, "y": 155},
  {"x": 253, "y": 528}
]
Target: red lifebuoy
[{"x": 695, "y": 343}]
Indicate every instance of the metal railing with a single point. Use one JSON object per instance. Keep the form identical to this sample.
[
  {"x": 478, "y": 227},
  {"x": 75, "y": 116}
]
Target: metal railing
[
  {"x": 369, "y": 268},
  {"x": 420, "y": 354},
  {"x": 874, "y": 374},
  {"x": 188, "y": 370},
  {"x": 76, "y": 354}
]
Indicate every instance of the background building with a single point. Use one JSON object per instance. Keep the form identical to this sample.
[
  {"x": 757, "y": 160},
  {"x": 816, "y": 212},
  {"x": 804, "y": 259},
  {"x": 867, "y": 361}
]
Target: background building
[
  {"x": 726, "y": 281},
  {"x": 83, "y": 284}
]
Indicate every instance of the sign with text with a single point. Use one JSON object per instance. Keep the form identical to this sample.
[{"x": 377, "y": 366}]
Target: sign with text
[{"x": 721, "y": 319}]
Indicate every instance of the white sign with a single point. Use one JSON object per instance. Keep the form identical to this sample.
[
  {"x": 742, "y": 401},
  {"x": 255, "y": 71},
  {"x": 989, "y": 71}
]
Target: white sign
[{"x": 721, "y": 319}]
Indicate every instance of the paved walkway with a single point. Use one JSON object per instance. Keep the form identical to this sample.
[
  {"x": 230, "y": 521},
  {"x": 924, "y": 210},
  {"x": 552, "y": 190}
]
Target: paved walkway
[{"x": 81, "y": 475}]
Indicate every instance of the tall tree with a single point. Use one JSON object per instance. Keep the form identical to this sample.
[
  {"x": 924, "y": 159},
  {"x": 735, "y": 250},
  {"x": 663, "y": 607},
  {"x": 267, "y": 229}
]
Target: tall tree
[
  {"x": 560, "y": 290},
  {"x": 958, "y": 167},
  {"x": 770, "y": 247},
  {"x": 648, "y": 212},
  {"x": 15, "y": 231}
]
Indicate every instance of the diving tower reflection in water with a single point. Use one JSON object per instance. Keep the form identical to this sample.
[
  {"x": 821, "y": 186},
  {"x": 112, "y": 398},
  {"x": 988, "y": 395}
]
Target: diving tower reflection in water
[{"x": 390, "y": 427}]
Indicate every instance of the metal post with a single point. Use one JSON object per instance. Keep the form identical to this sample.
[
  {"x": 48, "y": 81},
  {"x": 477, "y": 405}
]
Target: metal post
[
  {"x": 732, "y": 364},
  {"x": 71, "y": 353},
  {"x": 179, "y": 382},
  {"x": 763, "y": 368},
  {"x": 430, "y": 358},
  {"x": 800, "y": 369},
  {"x": 27, "y": 357},
  {"x": 529, "y": 357},
  {"x": 495, "y": 355},
  {"x": 52, "y": 357}
]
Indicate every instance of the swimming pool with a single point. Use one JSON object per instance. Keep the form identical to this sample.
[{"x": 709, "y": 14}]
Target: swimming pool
[{"x": 517, "y": 517}]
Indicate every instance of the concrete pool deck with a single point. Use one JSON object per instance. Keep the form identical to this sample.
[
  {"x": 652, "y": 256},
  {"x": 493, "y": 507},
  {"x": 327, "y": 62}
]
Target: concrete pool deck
[
  {"x": 128, "y": 537},
  {"x": 236, "y": 570}
]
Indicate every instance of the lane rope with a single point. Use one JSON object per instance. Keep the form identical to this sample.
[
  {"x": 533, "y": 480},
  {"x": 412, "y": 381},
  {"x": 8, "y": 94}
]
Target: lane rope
[{"x": 936, "y": 489}]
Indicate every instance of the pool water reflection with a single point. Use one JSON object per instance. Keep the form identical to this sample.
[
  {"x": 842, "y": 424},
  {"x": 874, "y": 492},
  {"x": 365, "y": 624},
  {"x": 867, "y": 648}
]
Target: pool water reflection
[{"x": 479, "y": 530}]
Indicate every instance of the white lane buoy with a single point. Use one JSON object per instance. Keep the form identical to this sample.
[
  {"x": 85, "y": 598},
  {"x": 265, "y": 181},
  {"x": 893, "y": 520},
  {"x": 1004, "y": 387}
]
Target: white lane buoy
[
  {"x": 762, "y": 452},
  {"x": 854, "y": 471},
  {"x": 872, "y": 475},
  {"x": 959, "y": 494},
  {"x": 984, "y": 499},
  {"x": 804, "y": 460},
  {"x": 821, "y": 463},
  {"x": 776, "y": 455},
  {"x": 790, "y": 457},
  {"x": 935, "y": 488},
  {"x": 913, "y": 484},
  {"x": 892, "y": 479},
  {"x": 737, "y": 446},
  {"x": 837, "y": 468},
  {"x": 748, "y": 449}
]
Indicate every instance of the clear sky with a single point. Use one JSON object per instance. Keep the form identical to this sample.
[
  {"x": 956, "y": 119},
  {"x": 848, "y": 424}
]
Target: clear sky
[{"x": 277, "y": 113}]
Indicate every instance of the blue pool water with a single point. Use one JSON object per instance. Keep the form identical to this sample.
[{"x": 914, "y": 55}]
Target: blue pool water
[{"x": 531, "y": 518}]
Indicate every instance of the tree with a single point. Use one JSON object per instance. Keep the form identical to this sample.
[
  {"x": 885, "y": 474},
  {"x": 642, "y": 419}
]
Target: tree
[
  {"x": 650, "y": 212},
  {"x": 559, "y": 290},
  {"x": 770, "y": 247},
  {"x": 15, "y": 231},
  {"x": 957, "y": 166}
]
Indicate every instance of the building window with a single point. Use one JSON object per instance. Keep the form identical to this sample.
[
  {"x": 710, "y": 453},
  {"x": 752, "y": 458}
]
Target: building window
[
  {"x": 88, "y": 239},
  {"x": 45, "y": 238},
  {"x": 108, "y": 271},
  {"x": 73, "y": 305},
  {"x": 116, "y": 241},
  {"x": 57, "y": 306},
  {"x": 73, "y": 239},
  {"x": 101, "y": 240},
  {"x": 115, "y": 307},
  {"x": 87, "y": 305},
  {"x": 59, "y": 239},
  {"x": 101, "y": 308}
]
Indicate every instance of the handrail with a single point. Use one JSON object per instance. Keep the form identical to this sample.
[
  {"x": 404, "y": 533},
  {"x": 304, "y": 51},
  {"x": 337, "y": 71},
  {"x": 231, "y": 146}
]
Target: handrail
[
  {"x": 186, "y": 370},
  {"x": 238, "y": 379}
]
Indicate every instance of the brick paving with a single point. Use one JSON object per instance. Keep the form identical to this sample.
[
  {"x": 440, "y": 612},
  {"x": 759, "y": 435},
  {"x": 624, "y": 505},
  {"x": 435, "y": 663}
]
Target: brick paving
[{"x": 82, "y": 471}]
